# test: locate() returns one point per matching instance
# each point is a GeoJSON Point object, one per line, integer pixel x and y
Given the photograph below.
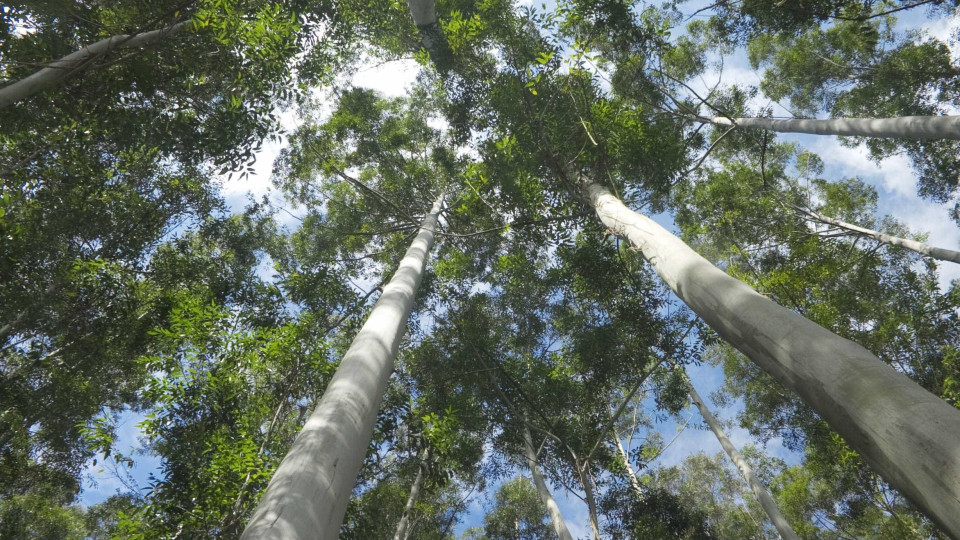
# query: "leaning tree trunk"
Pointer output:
{"type": "Point", "coordinates": [308, 494]}
{"type": "Point", "coordinates": [903, 127]}
{"type": "Point", "coordinates": [588, 494]}
{"type": "Point", "coordinates": [403, 528]}
{"type": "Point", "coordinates": [634, 483]}
{"type": "Point", "coordinates": [58, 70]}
{"type": "Point", "coordinates": [934, 252]}
{"type": "Point", "coordinates": [907, 435]}
{"type": "Point", "coordinates": [556, 519]}
{"type": "Point", "coordinates": [759, 490]}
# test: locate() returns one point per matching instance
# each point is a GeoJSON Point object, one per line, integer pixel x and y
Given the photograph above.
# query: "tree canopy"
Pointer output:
{"type": "Point", "coordinates": [540, 383]}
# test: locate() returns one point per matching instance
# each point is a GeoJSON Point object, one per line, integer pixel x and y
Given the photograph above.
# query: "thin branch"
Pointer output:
{"type": "Point", "coordinates": [623, 406]}
{"type": "Point", "coordinates": [888, 12]}
{"type": "Point", "coordinates": [707, 153]}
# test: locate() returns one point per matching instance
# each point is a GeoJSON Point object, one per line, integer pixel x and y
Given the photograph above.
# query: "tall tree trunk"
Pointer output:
{"type": "Point", "coordinates": [58, 70]}
{"type": "Point", "coordinates": [588, 494]}
{"type": "Point", "coordinates": [634, 483]}
{"type": "Point", "coordinates": [308, 494]}
{"type": "Point", "coordinates": [556, 519]}
{"type": "Point", "coordinates": [759, 490]}
{"type": "Point", "coordinates": [403, 527]}
{"type": "Point", "coordinates": [424, 12]}
{"type": "Point", "coordinates": [906, 434]}
{"type": "Point", "coordinates": [942, 254]}
{"type": "Point", "coordinates": [904, 127]}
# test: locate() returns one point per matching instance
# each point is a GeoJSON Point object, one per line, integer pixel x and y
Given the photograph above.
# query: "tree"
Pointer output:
{"type": "Point", "coordinates": [61, 69]}
{"type": "Point", "coordinates": [103, 169]}
{"type": "Point", "coordinates": [907, 127]}
{"type": "Point", "coordinates": [536, 324]}
{"type": "Point", "coordinates": [707, 487]}
{"type": "Point", "coordinates": [719, 303]}
{"type": "Point", "coordinates": [780, 341]}
{"type": "Point", "coordinates": [729, 307]}
{"type": "Point", "coordinates": [556, 519]}
{"type": "Point", "coordinates": [759, 490]}
{"type": "Point", "coordinates": [924, 249]}
{"type": "Point", "coordinates": [850, 61]}
{"type": "Point", "coordinates": [342, 421]}
{"type": "Point", "coordinates": [518, 513]}
{"type": "Point", "coordinates": [403, 527]}
{"type": "Point", "coordinates": [838, 281]}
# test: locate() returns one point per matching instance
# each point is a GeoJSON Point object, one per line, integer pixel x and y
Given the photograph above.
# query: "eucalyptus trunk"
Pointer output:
{"type": "Point", "coordinates": [424, 12]}
{"type": "Point", "coordinates": [906, 434]}
{"type": "Point", "coordinates": [307, 496]}
{"type": "Point", "coordinates": [634, 483]}
{"type": "Point", "coordinates": [588, 494]}
{"type": "Point", "coordinates": [903, 127]}
{"type": "Point", "coordinates": [556, 519]}
{"type": "Point", "coordinates": [61, 69]}
{"type": "Point", "coordinates": [933, 252]}
{"type": "Point", "coordinates": [403, 528]}
{"type": "Point", "coordinates": [759, 490]}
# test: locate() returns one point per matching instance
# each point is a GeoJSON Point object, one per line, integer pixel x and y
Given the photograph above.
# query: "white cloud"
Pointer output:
{"type": "Point", "coordinates": [894, 174]}
{"type": "Point", "coordinates": [896, 184]}
{"type": "Point", "coordinates": [258, 182]}
{"type": "Point", "coordinates": [392, 78]}
{"type": "Point", "coordinates": [943, 29]}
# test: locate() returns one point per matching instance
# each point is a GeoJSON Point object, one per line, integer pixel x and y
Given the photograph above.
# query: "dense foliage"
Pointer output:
{"type": "Point", "coordinates": [134, 295]}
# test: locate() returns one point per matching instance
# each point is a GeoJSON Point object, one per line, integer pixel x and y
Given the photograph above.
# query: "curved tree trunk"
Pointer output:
{"type": "Point", "coordinates": [556, 519]}
{"type": "Point", "coordinates": [934, 252]}
{"type": "Point", "coordinates": [308, 494]}
{"type": "Point", "coordinates": [903, 127]}
{"type": "Point", "coordinates": [58, 70]}
{"type": "Point", "coordinates": [403, 528]}
{"type": "Point", "coordinates": [906, 434]}
{"type": "Point", "coordinates": [759, 490]}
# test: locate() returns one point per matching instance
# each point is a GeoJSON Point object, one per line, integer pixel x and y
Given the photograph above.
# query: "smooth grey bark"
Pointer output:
{"type": "Point", "coordinates": [403, 528]}
{"type": "Point", "coordinates": [583, 466]}
{"type": "Point", "coordinates": [903, 127]}
{"type": "Point", "coordinates": [626, 460]}
{"type": "Point", "coordinates": [759, 490]}
{"type": "Point", "coordinates": [58, 70]}
{"type": "Point", "coordinates": [587, 480]}
{"type": "Point", "coordinates": [308, 494]}
{"type": "Point", "coordinates": [556, 518]}
{"type": "Point", "coordinates": [424, 12]}
{"type": "Point", "coordinates": [933, 252]}
{"type": "Point", "coordinates": [906, 434]}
